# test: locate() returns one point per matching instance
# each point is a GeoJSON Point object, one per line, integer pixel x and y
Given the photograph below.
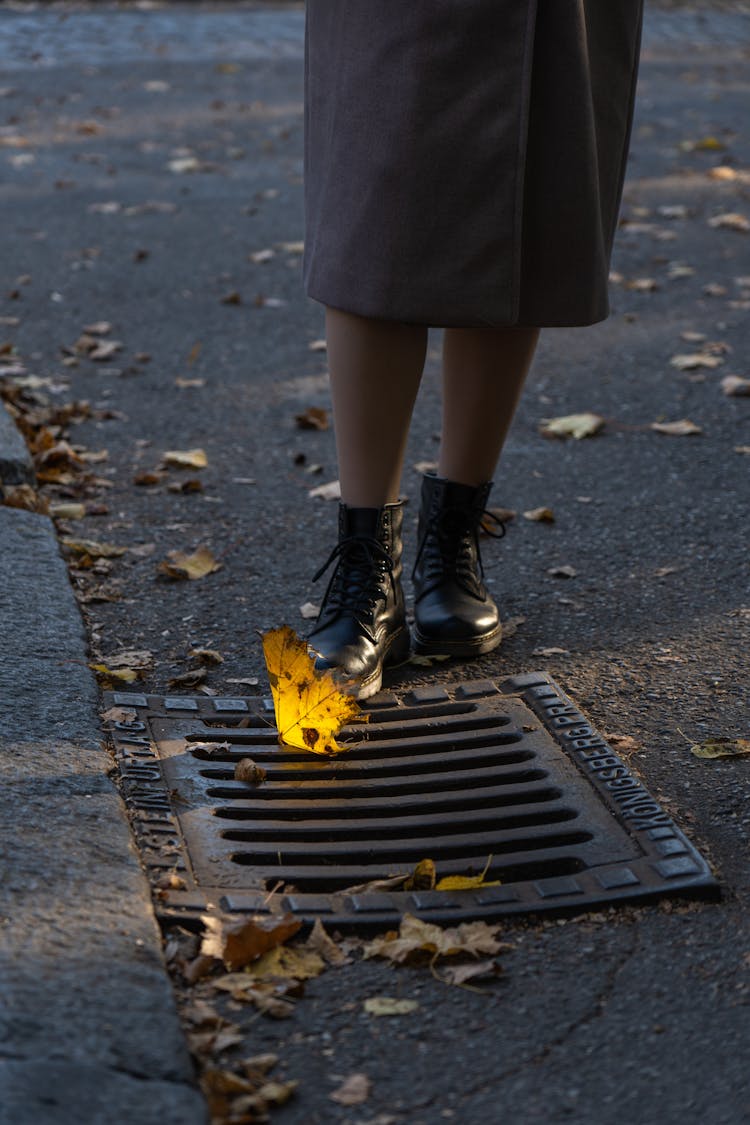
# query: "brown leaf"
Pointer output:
{"type": "Point", "coordinates": [178, 565]}
{"type": "Point", "coordinates": [314, 418]}
{"type": "Point", "coordinates": [25, 497]}
{"type": "Point", "coordinates": [104, 350]}
{"type": "Point", "coordinates": [735, 385]}
{"type": "Point", "coordinates": [353, 1091]}
{"type": "Point", "coordinates": [540, 515]}
{"type": "Point", "coordinates": [239, 943]}
{"type": "Point", "coordinates": [416, 940]}
{"type": "Point", "coordinates": [186, 486]}
{"type": "Point", "coordinates": [185, 458]}
{"type": "Point", "coordinates": [552, 651]}
{"type": "Point", "coordinates": [731, 220]}
{"type": "Point", "coordinates": [322, 943]}
{"type": "Point", "coordinates": [148, 477]}
{"type": "Point", "coordinates": [459, 974]}
{"type": "Point", "coordinates": [93, 548]}
{"type": "Point", "coordinates": [188, 679]}
{"type": "Point", "coordinates": [692, 360]}
{"type": "Point", "coordinates": [206, 655]}
{"type": "Point", "coordinates": [248, 771]}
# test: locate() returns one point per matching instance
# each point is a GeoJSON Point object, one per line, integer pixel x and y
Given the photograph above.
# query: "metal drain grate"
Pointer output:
{"type": "Point", "coordinates": [454, 773]}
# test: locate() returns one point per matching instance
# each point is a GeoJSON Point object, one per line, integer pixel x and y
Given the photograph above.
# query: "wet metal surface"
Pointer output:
{"type": "Point", "coordinates": [458, 774]}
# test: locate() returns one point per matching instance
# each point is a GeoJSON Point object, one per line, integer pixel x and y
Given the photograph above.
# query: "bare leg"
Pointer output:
{"type": "Point", "coordinates": [483, 374]}
{"type": "Point", "coordinates": [375, 369]}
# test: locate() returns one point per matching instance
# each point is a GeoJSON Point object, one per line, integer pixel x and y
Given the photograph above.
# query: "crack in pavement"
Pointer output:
{"type": "Point", "coordinates": [595, 1010]}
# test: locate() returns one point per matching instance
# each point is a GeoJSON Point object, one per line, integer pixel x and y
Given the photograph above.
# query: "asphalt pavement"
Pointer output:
{"type": "Point", "coordinates": [152, 179]}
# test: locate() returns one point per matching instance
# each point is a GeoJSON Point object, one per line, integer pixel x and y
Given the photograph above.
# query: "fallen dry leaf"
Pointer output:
{"type": "Point", "coordinates": [148, 477]}
{"type": "Point", "coordinates": [642, 284]}
{"type": "Point", "coordinates": [185, 458]}
{"type": "Point", "coordinates": [704, 144]}
{"type": "Point", "coordinates": [117, 675]}
{"type": "Point", "coordinates": [422, 877]}
{"type": "Point", "coordinates": [25, 497]}
{"type": "Point", "coordinates": [735, 385]}
{"type": "Point", "coordinates": [692, 360]}
{"type": "Point", "coordinates": [206, 655]}
{"type": "Point", "coordinates": [460, 974]}
{"type": "Point", "coordinates": [178, 565]}
{"type": "Point", "coordinates": [742, 448]}
{"type": "Point", "coordinates": [572, 425]}
{"type": "Point", "coordinates": [272, 998]}
{"type": "Point", "coordinates": [186, 486]}
{"type": "Point", "coordinates": [540, 515]}
{"type": "Point", "coordinates": [119, 715]}
{"type": "Point", "coordinates": [562, 571]}
{"type": "Point", "coordinates": [353, 1091]}
{"type": "Point", "coordinates": [389, 1006]}
{"type": "Point", "coordinates": [731, 220]}
{"type": "Point", "coordinates": [682, 428]}
{"type": "Point", "coordinates": [132, 658]}
{"type": "Point", "coordinates": [250, 772]}
{"type": "Point", "coordinates": [68, 511]}
{"type": "Point", "coordinates": [189, 679]}
{"type": "Point", "coordinates": [322, 943]}
{"type": "Point", "coordinates": [239, 943]}
{"type": "Point", "coordinates": [93, 548]}
{"type": "Point", "coordinates": [721, 748]}
{"type": "Point", "coordinates": [329, 491]}
{"type": "Point", "coordinates": [314, 418]}
{"type": "Point", "coordinates": [550, 651]}
{"type": "Point", "coordinates": [416, 939]}
{"type": "Point", "coordinates": [310, 708]}
{"type": "Point", "coordinates": [288, 962]}
{"type": "Point", "coordinates": [623, 744]}
{"type": "Point", "coordinates": [467, 882]}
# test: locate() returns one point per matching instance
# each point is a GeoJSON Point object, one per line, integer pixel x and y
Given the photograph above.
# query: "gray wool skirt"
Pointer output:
{"type": "Point", "coordinates": [464, 159]}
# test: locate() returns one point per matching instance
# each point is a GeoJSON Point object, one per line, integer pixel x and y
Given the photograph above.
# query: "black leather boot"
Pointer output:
{"type": "Point", "coordinates": [362, 622]}
{"type": "Point", "coordinates": [453, 612]}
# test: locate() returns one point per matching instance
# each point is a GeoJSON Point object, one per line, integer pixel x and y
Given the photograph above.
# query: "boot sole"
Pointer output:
{"type": "Point", "coordinates": [478, 646]}
{"type": "Point", "coordinates": [397, 653]}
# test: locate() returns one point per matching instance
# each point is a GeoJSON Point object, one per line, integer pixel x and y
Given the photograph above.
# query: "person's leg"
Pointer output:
{"type": "Point", "coordinates": [484, 370]}
{"type": "Point", "coordinates": [483, 375]}
{"type": "Point", "coordinates": [375, 369]}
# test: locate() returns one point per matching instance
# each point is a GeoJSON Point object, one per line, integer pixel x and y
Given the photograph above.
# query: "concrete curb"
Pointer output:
{"type": "Point", "coordinates": [15, 461]}
{"type": "Point", "coordinates": [88, 1026]}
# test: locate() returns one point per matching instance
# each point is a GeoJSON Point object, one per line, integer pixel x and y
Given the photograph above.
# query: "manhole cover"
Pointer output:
{"type": "Point", "coordinates": [457, 773]}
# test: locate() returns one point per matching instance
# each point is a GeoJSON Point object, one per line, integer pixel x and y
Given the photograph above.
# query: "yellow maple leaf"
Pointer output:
{"type": "Point", "coordinates": [310, 707]}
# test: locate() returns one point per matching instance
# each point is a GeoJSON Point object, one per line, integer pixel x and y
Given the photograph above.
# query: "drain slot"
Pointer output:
{"type": "Point", "coordinates": [311, 830]}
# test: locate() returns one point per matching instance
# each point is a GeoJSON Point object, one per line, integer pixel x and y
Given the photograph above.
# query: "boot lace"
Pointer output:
{"type": "Point", "coordinates": [449, 549]}
{"type": "Point", "coordinates": [358, 582]}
